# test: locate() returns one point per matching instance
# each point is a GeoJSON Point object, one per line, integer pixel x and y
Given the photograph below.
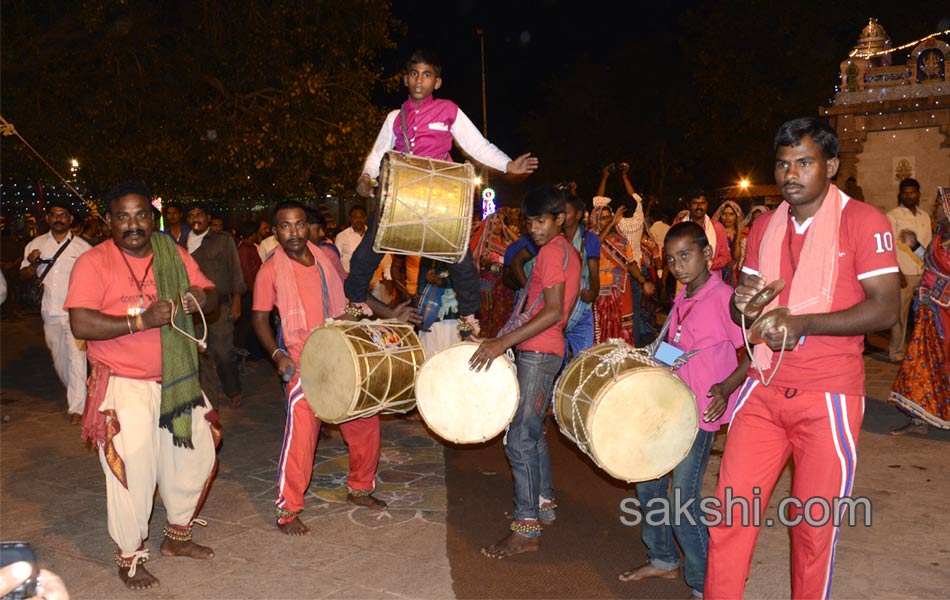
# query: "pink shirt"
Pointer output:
{"type": "Point", "coordinates": [704, 324]}
{"type": "Point", "coordinates": [549, 271]}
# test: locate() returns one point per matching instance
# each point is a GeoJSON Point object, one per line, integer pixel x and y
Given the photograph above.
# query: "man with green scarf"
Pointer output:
{"type": "Point", "coordinates": [132, 298]}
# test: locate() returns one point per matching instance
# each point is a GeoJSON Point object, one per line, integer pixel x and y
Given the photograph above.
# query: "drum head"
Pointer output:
{"type": "Point", "coordinates": [463, 406]}
{"type": "Point", "coordinates": [643, 424]}
{"type": "Point", "coordinates": [328, 374]}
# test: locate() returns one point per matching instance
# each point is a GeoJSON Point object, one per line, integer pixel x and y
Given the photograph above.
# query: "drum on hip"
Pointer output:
{"type": "Point", "coordinates": [350, 370]}
{"type": "Point", "coordinates": [627, 412]}
{"type": "Point", "coordinates": [464, 406]}
{"type": "Point", "coordinates": [425, 207]}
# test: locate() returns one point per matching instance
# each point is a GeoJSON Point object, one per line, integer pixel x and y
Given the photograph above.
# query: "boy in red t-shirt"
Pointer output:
{"type": "Point", "coordinates": [539, 340]}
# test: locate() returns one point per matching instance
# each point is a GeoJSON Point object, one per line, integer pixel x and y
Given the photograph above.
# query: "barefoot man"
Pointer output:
{"type": "Point", "coordinates": [145, 411]}
{"type": "Point", "coordinates": [301, 281]}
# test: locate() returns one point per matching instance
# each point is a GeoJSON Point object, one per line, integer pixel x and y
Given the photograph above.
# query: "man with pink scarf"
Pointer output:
{"type": "Point", "coordinates": [303, 283]}
{"type": "Point", "coordinates": [804, 396]}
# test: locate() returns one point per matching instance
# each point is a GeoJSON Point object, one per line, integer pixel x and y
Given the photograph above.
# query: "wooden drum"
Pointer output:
{"type": "Point", "coordinates": [463, 406]}
{"type": "Point", "coordinates": [631, 415]}
{"type": "Point", "coordinates": [425, 207]}
{"type": "Point", "coordinates": [354, 369]}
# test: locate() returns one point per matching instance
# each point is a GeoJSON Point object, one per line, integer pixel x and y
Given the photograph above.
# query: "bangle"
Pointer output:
{"type": "Point", "coordinates": [139, 323]}
{"type": "Point", "coordinates": [128, 321]}
{"type": "Point", "coordinates": [276, 350]}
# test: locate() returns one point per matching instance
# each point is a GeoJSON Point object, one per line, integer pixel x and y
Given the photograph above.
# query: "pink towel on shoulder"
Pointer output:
{"type": "Point", "coordinates": [292, 316]}
{"type": "Point", "coordinates": [812, 287]}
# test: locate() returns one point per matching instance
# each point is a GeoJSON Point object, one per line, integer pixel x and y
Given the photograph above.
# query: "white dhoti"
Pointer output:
{"type": "Point", "coordinates": [440, 336]}
{"type": "Point", "coordinates": [68, 360]}
{"type": "Point", "coordinates": [151, 458]}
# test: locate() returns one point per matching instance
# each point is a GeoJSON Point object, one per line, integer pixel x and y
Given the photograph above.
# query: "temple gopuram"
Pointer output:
{"type": "Point", "coordinates": [893, 118]}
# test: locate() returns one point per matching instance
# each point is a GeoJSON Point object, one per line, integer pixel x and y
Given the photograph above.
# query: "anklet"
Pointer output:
{"type": "Point", "coordinates": [526, 526]}
{"type": "Point", "coordinates": [547, 505]}
{"type": "Point", "coordinates": [177, 533]}
{"type": "Point", "coordinates": [285, 516]}
{"type": "Point", "coordinates": [138, 557]}
{"type": "Point", "coordinates": [359, 493]}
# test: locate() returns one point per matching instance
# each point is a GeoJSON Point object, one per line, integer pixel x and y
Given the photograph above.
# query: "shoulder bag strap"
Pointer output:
{"type": "Point", "coordinates": [405, 128]}
{"type": "Point", "coordinates": [52, 261]}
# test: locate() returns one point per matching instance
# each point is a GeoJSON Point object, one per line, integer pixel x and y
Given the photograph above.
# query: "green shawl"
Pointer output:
{"type": "Point", "coordinates": [181, 391]}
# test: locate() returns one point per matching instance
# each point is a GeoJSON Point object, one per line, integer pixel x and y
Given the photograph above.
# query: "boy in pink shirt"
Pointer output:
{"type": "Point", "coordinates": [700, 320]}
{"type": "Point", "coordinates": [537, 334]}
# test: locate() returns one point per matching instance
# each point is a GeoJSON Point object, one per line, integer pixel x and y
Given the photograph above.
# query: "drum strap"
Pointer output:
{"type": "Point", "coordinates": [405, 129]}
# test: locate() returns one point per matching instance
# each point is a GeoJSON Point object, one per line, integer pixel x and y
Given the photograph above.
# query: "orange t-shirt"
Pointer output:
{"type": "Point", "coordinates": [557, 262]}
{"type": "Point", "coordinates": [101, 281]}
{"type": "Point", "coordinates": [309, 289]}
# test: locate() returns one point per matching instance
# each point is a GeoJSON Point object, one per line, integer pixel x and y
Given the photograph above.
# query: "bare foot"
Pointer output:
{"type": "Point", "coordinates": [236, 400]}
{"type": "Point", "coordinates": [188, 549]}
{"type": "Point", "coordinates": [366, 501]}
{"type": "Point", "coordinates": [912, 427]}
{"type": "Point", "coordinates": [648, 571]}
{"type": "Point", "coordinates": [142, 580]}
{"type": "Point", "coordinates": [512, 544]}
{"type": "Point", "coordinates": [294, 527]}
{"type": "Point", "coordinates": [75, 419]}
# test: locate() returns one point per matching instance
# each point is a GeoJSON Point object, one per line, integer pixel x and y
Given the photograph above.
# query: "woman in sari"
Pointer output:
{"type": "Point", "coordinates": [616, 258]}
{"type": "Point", "coordinates": [489, 243]}
{"type": "Point", "coordinates": [922, 387]}
{"type": "Point", "coordinates": [729, 214]}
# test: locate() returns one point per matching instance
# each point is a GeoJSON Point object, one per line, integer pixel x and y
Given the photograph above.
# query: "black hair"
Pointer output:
{"type": "Point", "coordinates": [792, 132]}
{"type": "Point", "coordinates": [693, 193]}
{"type": "Point", "coordinates": [172, 204]}
{"type": "Point", "coordinates": [908, 182]}
{"type": "Point", "coordinates": [200, 206]}
{"type": "Point", "coordinates": [358, 207]}
{"type": "Point", "coordinates": [125, 188]}
{"type": "Point", "coordinates": [850, 179]}
{"type": "Point", "coordinates": [247, 228]}
{"type": "Point", "coordinates": [425, 56]}
{"type": "Point", "coordinates": [60, 203]}
{"type": "Point", "coordinates": [286, 205]}
{"type": "Point", "coordinates": [315, 217]}
{"type": "Point", "coordinates": [687, 230]}
{"type": "Point", "coordinates": [576, 202]}
{"type": "Point", "coordinates": [544, 201]}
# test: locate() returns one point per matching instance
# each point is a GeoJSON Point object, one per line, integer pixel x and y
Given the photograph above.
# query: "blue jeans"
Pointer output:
{"type": "Point", "coordinates": [691, 534]}
{"type": "Point", "coordinates": [525, 446]}
{"type": "Point", "coordinates": [580, 336]}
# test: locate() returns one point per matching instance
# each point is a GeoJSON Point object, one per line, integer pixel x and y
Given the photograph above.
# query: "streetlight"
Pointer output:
{"type": "Point", "coordinates": [744, 183]}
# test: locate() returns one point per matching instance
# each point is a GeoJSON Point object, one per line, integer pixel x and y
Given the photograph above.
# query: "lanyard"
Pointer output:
{"type": "Point", "coordinates": [679, 322]}
{"type": "Point", "coordinates": [139, 284]}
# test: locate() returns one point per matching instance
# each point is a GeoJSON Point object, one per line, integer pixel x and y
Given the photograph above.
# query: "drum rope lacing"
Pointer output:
{"type": "Point", "coordinates": [609, 364]}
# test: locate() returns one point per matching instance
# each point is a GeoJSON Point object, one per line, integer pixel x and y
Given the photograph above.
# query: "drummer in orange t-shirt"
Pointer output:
{"type": "Point", "coordinates": [302, 282]}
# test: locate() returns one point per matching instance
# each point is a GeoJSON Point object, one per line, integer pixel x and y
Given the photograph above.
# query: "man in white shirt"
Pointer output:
{"type": "Point", "coordinates": [348, 239]}
{"type": "Point", "coordinates": [907, 216]}
{"type": "Point", "coordinates": [68, 360]}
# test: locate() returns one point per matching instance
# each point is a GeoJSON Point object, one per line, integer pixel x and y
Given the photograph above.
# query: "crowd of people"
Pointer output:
{"type": "Point", "coordinates": [165, 317]}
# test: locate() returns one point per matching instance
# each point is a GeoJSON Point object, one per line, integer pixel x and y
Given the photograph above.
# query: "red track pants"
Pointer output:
{"type": "Point", "coordinates": [300, 442]}
{"type": "Point", "coordinates": [820, 431]}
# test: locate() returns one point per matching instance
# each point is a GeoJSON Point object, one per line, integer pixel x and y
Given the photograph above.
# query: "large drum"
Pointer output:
{"type": "Point", "coordinates": [630, 414]}
{"type": "Point", "coordinates": [463, 406]}
{"type": "Point", "coordinates": [354, 369]}
{"type": "Point", "coordinates": [425, 207]}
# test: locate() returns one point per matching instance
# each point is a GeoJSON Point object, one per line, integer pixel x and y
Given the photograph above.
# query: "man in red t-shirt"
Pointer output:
{"type": "Point", "coordinates": [301, 281]}
{"type": "Point", "coordinates": [538, 337]}
{"type": "Point", "coordinates": [145, 412]}
{"type": "Point", "coordinates": [837, 256]}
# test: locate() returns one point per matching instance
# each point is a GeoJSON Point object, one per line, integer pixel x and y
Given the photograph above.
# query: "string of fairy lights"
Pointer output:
{"type": "Point", "coordinates": [864, 53]}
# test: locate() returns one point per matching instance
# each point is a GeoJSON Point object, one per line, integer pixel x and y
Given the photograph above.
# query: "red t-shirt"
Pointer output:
{"type": "Point", "coordinates": [101, 281]}
{"type": "Point", "coordinates": [865, 250]}
{"type": "Point", "coordinates": [549, 270]}
{"type": "Point", "coordinates": [309, 288]}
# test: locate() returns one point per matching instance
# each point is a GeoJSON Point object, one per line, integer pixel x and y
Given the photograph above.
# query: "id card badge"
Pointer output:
{"type": "Point", "coordinates": [667, 354]}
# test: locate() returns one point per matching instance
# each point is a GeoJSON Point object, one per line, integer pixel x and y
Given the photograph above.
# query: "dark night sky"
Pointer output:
{"type": "Point", "coordinates": [529, 44]}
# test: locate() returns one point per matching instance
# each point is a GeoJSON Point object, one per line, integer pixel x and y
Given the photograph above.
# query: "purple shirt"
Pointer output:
{"type": "Point", "coordinates": [704, 324]}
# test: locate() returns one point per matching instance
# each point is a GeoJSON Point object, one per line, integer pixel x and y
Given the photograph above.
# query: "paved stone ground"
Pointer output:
{"type": "Point", "coordinates": [51, 494]}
